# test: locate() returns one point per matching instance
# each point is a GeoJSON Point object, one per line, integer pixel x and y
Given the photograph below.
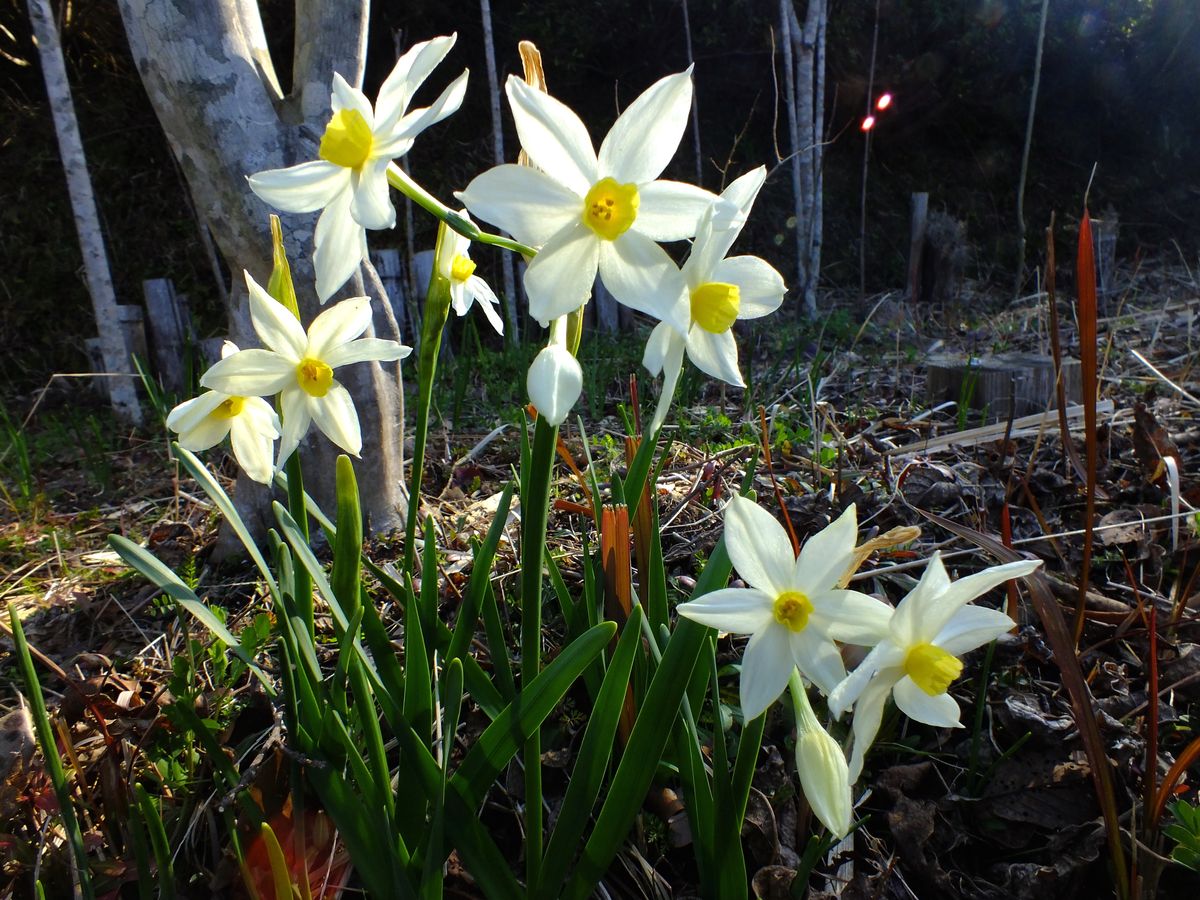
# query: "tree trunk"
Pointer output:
{"type": "Point", "coordinates": [804, 55]}
{"type": "Point", "coordinates": [209, 76]}
{"type": "Point", "coordinates": [113, 349]}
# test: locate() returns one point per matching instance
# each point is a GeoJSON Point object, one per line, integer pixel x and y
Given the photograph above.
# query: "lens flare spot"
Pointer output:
{"type": "Point", "coordinates": [884, 101]}
{"type": "Point", "coordinates": [868, 123]}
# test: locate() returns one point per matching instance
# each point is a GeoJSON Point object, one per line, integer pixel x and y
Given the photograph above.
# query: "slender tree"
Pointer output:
{"type": "Point", "coordinates": [1033, 95]}
{"type": "Point", "coordinates": [209, 75]}
{"type": "Point", "coordinates": [113, 349]}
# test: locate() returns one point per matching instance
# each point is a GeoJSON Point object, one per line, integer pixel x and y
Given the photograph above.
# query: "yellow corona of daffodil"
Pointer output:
{"type": "Point", "coordinates": [456, 266]}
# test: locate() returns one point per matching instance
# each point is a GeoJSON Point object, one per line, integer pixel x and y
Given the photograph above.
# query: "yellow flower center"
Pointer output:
{"type": "Point", "coordinates": [230, 408]}
{"type": "Point", "coordinates": [461, 268]}
{"type": "Point", "coordinates": [347, 140]}
{"type": "Point", "coordinates": [610, 208]}
{"type": "Point", "coordinates": [792, 609]}
{"type": "Point", "coordinates": [932, 668]}
{"type": "Point", "coordinates": [715, 306]}
{"type": "Point", "coordinates": [315, 376]}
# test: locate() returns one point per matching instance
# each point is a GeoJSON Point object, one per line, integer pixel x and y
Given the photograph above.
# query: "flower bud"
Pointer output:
{"type": "Point", "coordinates": [555, 379]}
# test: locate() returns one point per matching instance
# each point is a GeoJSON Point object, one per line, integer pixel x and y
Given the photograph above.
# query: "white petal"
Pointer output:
{"type": "Point", "coordinates": [303, 188]}
{"type": "Point", "coordinates": [971, 627]}
{"type": "Point", "coordinates": [250, 373]}
{"type": "Point", "coordinates": [854, 618]}
{"type": "Point", "coordinates": [647, 134]}
{"type": "Point", "coordinates": [936, 611]}
{"type": "Point", "coordinates": [761, 287]}
{"type": "Point", "coordinates": [296, 420]}
{"type": "Point", "coordinates": [372, 203]}
{"type": "Point", "coordinates": [338, 325]}
{"type": "Point", "coordinates": [274, 323]}
{"type": "Point", "coordinates": [399, 140]}
{"type": "Point", "coordinates": [487, 300]}
{"type": "Point", "coordinates": [340, 245]}
{"type": "Point", "coordinates": [715, 354]}
{"type": "Point", "coordinates": [190, 413]}
{"type": "Point", "coordinates": [554, 383]}
{"type": "Point", "coordinates": [554, 137]}
{"type": "Point", "coordinates": [208, 432]}
{"type": "Point", "coordinates": [261, 415]}
{"type": "Point", "coordinates": [525, 202]}
{"type": "Point", "coordinates": [817, 658]}
{"type": "Point", "coordinates": [882, 661]}
{"type": "Point", "coordinates": [559, 280]}
{"type": "Point", "coordinates": [406, 76]}
{"type": "Point", "coordinates": [743, 191]}
{"type": "Point", "coordinates": [758, 547]}
{"type": "Point", "coordinates": [336, 416]}
{"type": "Point", "coordinates": [671, 210]}
{"type": "Point", "coordinates": [940, 711]}
{"type": "Point", "coordinates": [365, 350]}
{"type": "Point", "coordinates": [826, 555]}
{"type": "Point", "coordinates": [252, 449]}
{"type": "Point", "coordinates": [907, 623]}
{"type": "Point", "coordinates": [766, 668]}
{"type": "Point", "coordinates": [347, 97]}
{"type": "Point", "coordinates": [640, 275]}
{"type": "Point", "coordinates": [731, 610]}
{"type": "Point", "coordinates": [712, 242]}
{"type": "Point", "coordinates": [664, 353]}
{"type": "Point", "coordinates": [868, 714]}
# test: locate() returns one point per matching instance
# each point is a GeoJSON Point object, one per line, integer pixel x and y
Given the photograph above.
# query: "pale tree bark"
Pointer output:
{"type": "Point", "coordinates": [209, 76]}
{"type": "Point", "coordinates": [114, 351]}
{"type": "Point", "coordinates": [498, 158]}
{"type": "Point", "coordinates": [804, 58]}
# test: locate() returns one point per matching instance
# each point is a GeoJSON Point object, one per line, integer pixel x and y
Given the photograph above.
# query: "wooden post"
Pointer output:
{"type": "Point", "coordinates": [122, 392]}
{"type": "Point", "coordinates": [916, 244]}
{"type": "Point", "coordinates": [608, 317]}
{"type": "Point", "coordinates": [170, 331]}
{"type": "Point", "coordinates": [388, 264]}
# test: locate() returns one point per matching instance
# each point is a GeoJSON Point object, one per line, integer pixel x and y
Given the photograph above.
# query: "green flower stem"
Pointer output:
{"type": "Point", "coordinates": [806, 719]}
{"type": "Point", "coordinates": [431, 204]}
{"type": "Point", "coordinates": [54, 766]}
{"type": "Point", "coordinates": [433, 323]}
{"type": "Point", "coordinates": [535, 503]}
{"type": "Point", "coordinates": [301, 580]}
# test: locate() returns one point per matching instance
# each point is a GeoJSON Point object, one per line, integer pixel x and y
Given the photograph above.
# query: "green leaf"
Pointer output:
{"type": "Point", "coordinates": [481, 574]}
{"type": "Point", "coordinates": [347, 546]}
{"type": "Point", "coordinates": [651, 730]}
{"type": "Point", "coordinates": [501, 740]}
{"type": "Point", "coordinates": [172, 585]}
{"type": "Point", "coordinates": [592, 762]}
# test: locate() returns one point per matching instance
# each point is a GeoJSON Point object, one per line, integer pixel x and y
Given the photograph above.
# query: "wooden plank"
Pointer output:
{"type": "Point", "coordinates": [388, 263]}
{"type": "Point", "coordinates": [169, 330]}
{"type": "Point", "coordinates": [916, 242]}
{"type": "Point", "coordinates": [1022, 427]}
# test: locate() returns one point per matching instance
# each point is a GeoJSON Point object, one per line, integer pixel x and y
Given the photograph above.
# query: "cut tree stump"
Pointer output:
{"type": "Point", "coordinates": [1005, 384]}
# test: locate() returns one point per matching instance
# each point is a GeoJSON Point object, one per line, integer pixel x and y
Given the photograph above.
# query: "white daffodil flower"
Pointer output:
{"type": "Point", "coordinates": [821, 765]}
{"type": "Point", "coordinates": [792, 609]}
{"type": "Point", "coordinates": [349, 180]}
{"type": "Point", "coordinates": [587, 212]}
{"type": "Point", "coordinates": [299, 367]}
{"type": "Point", "coordinates": [252, 425]}
{"type": "Point", "coordinates": [555, 379]}
{"type": "Point", "coordinates": [720, 292]}
{"type": "Point", "coordinates": [457, 267]}
{"type": "Point", "coordinates": [917, 659]}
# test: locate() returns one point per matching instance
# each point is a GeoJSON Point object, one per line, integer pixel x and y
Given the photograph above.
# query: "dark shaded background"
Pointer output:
{"type": "Point", "coordinates": [1118, 89]}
